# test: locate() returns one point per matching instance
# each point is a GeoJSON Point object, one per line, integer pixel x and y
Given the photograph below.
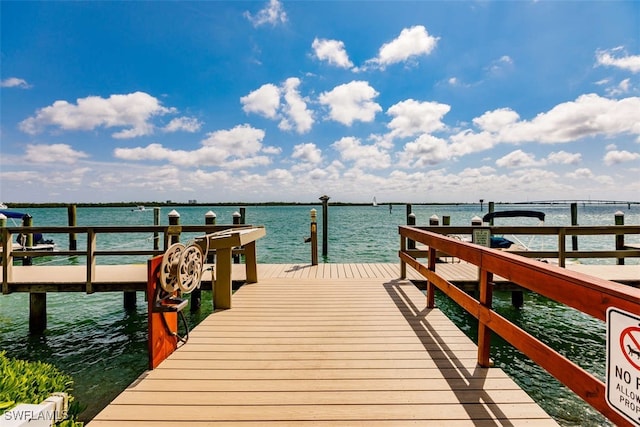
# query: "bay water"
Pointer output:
{"type": "Point", "coordinates": [104, 347]}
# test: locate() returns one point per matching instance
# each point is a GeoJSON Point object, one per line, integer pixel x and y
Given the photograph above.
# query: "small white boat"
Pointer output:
{"type": "Point", "coordinates": [375, 202]}
{"type": "Point", "coordinates": [139, 209]}
{"type": "Point", "coordinates": [39, 242]}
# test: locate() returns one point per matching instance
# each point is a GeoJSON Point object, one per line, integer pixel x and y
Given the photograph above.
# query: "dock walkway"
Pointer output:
{"type": "Point", "coordinates": [325, 352]}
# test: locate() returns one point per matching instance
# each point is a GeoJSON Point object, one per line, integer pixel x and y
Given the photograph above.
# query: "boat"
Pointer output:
{"type": "Point", "coordinates": [39, 242]}
{"type": "Point", "coordinates": [139, 208]}
{"type": "Point", "coordinates": [375, 202]}
{"type": "Point", "coordinates": [3, 206]}
{"type": "Point", "coordinates": [501, 242]}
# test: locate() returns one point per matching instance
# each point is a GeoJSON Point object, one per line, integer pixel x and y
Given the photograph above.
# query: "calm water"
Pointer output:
{"type": "Point", "coordinates": [103, 346]}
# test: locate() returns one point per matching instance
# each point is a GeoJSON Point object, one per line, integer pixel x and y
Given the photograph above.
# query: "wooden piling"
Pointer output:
{"type": "Point", "coordinates": [156, 235]}
{"type": "Point", "coordinates": [237, 220]}
{"type": "Point", "coordinates": [37, 312]}
{"type": "Point", "coordinates": [574, 221]}
{"type": "Point", "coordinates": [27, 239]}
{"type": "Point", "coordinates": [314, 237]}
{"type": "Point", "coordinates": [619, 220]}
{"type": "Point", "coordinates": [72, 221]}
{"type": "Point", "coordinates": [325, 224]}
{"type": "Point", "coordinates": [492, 207]}
{"type": "Point", "coordinates": [411, 220]}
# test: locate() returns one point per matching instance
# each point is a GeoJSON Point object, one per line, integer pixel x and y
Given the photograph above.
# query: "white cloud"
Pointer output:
{"type": "Point", "coordinates": [298, 117]}
{"type": "Point", "coordinates": [616, 157]}
{"type": "Point", "coordinates": [363, 156]}
{"type": "Point", "coordinates": [308, 153]}
{"type": "Point", "coordinates": [518, 159]}
{"type": "Point", "coordinates": [588, 116]}
{"type": "Point", "coordinates": [273, 13]}
{"type": "Point", "coordinates": [187, 124]}
{"type": "Point", "coordinates": [240, 147]}
{"type": "Point", "coordinates": [564, 158]}
{"type": "Point", "coordinates": [54, 153]}
{"type": "Point", "coordinates": [623, 87]}
{"type": "Point", "coordinates": [350, 102]}
{"type": "Point", "coordinates": [412, 117]}
{"type": "Point", "coordinates": [264, 101]}
{"type": "Point", "coordinates": [15, 82]}
{"type": "Point", "coordinates": [496, 120]}
{"type": "Point", "coordinates": [581, 173]}
{"type": "Point", "coordinates": [626, 62]}
{"type": "Point", "coordinates": [426, 150]}
{"type": "Point", "coordinates": [131, 111]}
{"type": "Point", "coordinates": [411, 42]}
{"type": "Point", "coordinates": [332, 51]}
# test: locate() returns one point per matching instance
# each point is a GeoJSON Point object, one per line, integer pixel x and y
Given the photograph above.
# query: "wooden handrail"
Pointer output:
{"type": "Point", "coordinates": [91, 252]}
{"type": "Point", "coordinates": [588, 294]}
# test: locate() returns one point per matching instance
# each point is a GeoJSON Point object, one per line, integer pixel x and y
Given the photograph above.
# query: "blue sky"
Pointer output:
{"type": "Point", "coordinates": [224, 101]}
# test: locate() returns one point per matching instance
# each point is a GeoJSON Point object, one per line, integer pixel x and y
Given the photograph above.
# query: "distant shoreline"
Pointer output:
{"type": "Point", "coordinates": [150, 204]}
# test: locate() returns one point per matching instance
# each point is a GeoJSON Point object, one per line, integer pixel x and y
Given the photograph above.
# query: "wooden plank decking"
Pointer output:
{"type": "Point", "coordinates": [311, 351]}
{"type": "Point", "coordinates": [134, 277]}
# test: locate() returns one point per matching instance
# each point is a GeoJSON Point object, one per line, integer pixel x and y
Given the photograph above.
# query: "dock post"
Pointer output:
{"type": "Point", "coordinates": [411, 220]}
{"type": "Point", "coordinates": [434, 220]}
{"type": "Point", "coordinates": [174, 220]}
{"type": "Point", "coordinates": [314, 237]}
{"type": "Point", "coordinates": [37, 312]}
{"type": "Point", "coordinates": [325, 224]}
{"type": "Point", "coordinates": [243, 216]}
{"type": "Point", "coordinates": [27, 239]}
{"type": "Point", "coordinates": [492, 208]}
{"type": "Point", "coordinates": [237, 220]}
{"type": "Point", "coordinates": [574, 221]}
{"type": "Point", "coordinates": [619, 220]}
{"type": "Point", "coordinates": [129, 297]}
{"type": "Point", "coordinates": [446, 220]}
{"type": "Point", "coordinates": [156, 221]}
{"type": "Point", "coordinates": [72, 220]}
{"type": "Point", "coordinates": [210, 218]}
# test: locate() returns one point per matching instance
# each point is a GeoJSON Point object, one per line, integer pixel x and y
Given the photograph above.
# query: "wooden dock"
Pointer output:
{"type": "Point", "coordinates": [134, 277]}
{"type": "Point", "coordinates": [324, 351]}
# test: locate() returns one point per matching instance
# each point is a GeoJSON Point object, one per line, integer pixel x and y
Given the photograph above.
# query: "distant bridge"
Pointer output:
{"type": "Point", "coordinates": [585, 201]}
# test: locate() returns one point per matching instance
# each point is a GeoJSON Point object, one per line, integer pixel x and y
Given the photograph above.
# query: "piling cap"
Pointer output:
{"type": "Point", "coordinates": [210, 214]}
{"type": "Point", "coordinates": [412, 215]}
{"type": "Point", "coordinates": [173, 214]}
{"type": "Point", "coordinates": [476, 220]}
{"type": "Point", "coordinates": [619, 213]}
{"type": "Point", "coordinates": [434, 216]}
{"type": "Point", "coordinates": [236, 214]}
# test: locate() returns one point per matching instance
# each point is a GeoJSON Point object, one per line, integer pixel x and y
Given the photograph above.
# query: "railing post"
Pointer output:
{"type": "Point", "coordinates": [431, 288]}
{"type": "Point", "coordinates": [619, 220]}
{"type": "Point", "coordinates": [411, 220]}
{"type": "Point", "coordinates": [484, 333]}
{"type": "Point", "coordinates": [314, 236]}
{"type": "Point", "coordinates": [403, 265]}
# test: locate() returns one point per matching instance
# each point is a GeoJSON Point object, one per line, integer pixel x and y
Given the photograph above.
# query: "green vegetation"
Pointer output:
{"type": "Point", "coordinates": [22, 381]}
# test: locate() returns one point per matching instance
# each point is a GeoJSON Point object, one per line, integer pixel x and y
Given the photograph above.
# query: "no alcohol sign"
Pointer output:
{"type": "Point", "coordinates": [623, 363]}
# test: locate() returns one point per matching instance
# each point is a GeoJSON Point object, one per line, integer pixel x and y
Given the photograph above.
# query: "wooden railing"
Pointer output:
{"type": "Point", "coordinates": [585, 293]}
{"type": "Point", "coordinates": [561, 252]}
{"type": "Point", "coordinates": [156, 233]}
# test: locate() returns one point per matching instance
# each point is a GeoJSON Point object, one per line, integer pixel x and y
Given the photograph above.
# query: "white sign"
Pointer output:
{"type": "Point", "coordinates": [623, 363]}
{"type": "Point", "coordinates": [482, 237]}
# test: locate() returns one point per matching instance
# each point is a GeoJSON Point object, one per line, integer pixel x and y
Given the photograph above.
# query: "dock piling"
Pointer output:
{"type": "Point", "coordinates": [325, 224]}
{"type": "Point", "coordinates": [619, 220]}
{"type": "Point", "coordinates": [574, 221]}
{"type": "Point", "coordinates": [37, 312]}
{"type": "Point", "coordinates": [72, 220]}
{"type": "Point", "coordinates": [314, 237]}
